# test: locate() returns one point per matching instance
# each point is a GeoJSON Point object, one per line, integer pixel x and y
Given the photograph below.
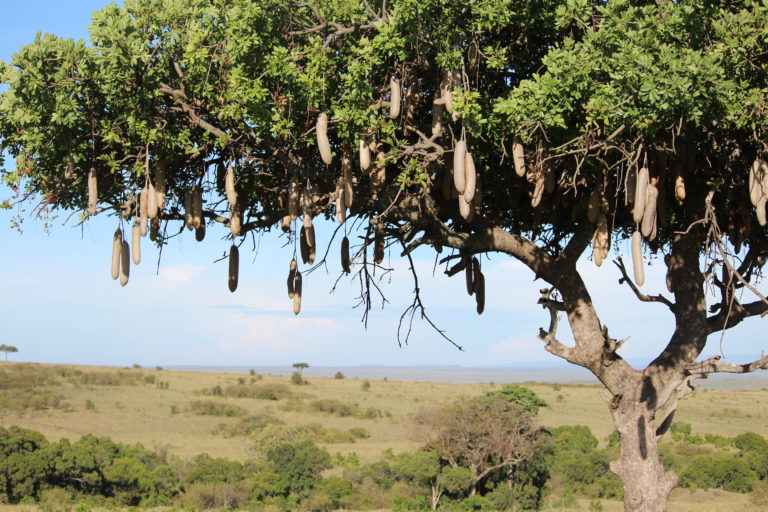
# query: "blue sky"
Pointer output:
{"type": "Point", "coordinates": [59, 304]}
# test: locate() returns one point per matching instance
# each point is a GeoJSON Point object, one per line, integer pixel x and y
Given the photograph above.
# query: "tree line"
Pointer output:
{"type": "Point", "coordinates": [484, 453]}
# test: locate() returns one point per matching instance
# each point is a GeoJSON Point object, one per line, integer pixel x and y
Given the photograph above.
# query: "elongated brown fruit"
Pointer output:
{"type": "Point", "coordinates": [649, 214]}
{"type": "Point", "coordinates": [601, 240]}
{"type": "Point", "coordinates": [470, 177]}
{"type": "Point", "coordinates": [293, 199]}
{"type": "Point", "coordinates": [188, 220]}
{"type": "Point", "coordinates": [518, 156]}
{"type": "Point", "coordinates": [297, 286]}
{"type": "Point", "coordinates": [303, 245]}
{"type": "Point", "coordinates": [235, 220]}
{"type": "Point", "coordinates": [341, 207]}
{"type": "Point", "coordinates": [378, 243]}
{"type": "Point", "coordinates": [538, 190]}
{"type": "Point", "coordinates": [143, 208]}
{"type": "Point", "coordinates": [234, 267]}
{"type": "Point", "coordinates": [346, 173]}
{"type": "Point", "coordinates": [229, 185]}
{"type": "Point", "coordinates": [469, 275]}
{"type": "Point", "coordinates": [680, 189]}
{"type": "Point", "coordinates": [395, 92]}
{"type": "Point", "coordinates": [154, 229]}
{"type": "Point", "coordinates": [160, 183]}
{"type": "Point", "coordinates": [365, 154]}
{"type": "Point", "coordinates": [630, 187]}
{"type": "Point", "coordinates": [760, 211]}
{"type": "Point", "coordinates": [117, 245]}
{"type": "Point", "coordinates": [136, 241]}
{"type": "Point", "coordinates": [641, 192]}
{"type": "Point", "coordinates": [310, 233]}
{"type": "Point", "coordinates": [291, 278]}
{"type": "Point", "coordinates": [437, 120]}
{"type": "Point", "coordinates": [480, 293]}
{"type": "Point", "coordinates": [311, 255]}
{"type": "Point", "coordinates": [197, 206]}
{"type": "Point", "coordinates": [125, 263]}
{"type": "Point", "coordinates": [459, 153]}
{"type": "Point", "coordinates": [465, 208]}
{"type": "Point", "coordinates": [93, 191]}
{"type": "Point", "coordinates": [637, 258]}
{"type": "Point", "coordinates": [593, 206]}
{"type": "Point", "coordinates": [285, 224]}
{"type": "Point", "coordinates": [323, 144]}
{"type": "Point", "coordinates": [200, 232]}
{"type": "Point", "coordinates": [151, 201]}
{"type": "Point", "coordinates": [345, 262]}
{"type": "Point", "coordinates": [307, 221]}
{"type": "Point", "coordinates": [475, 272]}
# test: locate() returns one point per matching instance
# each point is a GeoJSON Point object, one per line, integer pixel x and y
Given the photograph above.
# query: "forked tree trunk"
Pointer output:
{"type": "Point", "coordinates": [647, 484]}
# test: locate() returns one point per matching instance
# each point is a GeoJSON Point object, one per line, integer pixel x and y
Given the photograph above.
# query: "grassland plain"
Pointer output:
{"type": "Point", "coordinates": [154, 407]}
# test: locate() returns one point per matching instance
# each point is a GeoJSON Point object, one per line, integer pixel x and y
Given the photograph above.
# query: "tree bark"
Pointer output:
{"type": "Point", "coordinates": [646, 483]}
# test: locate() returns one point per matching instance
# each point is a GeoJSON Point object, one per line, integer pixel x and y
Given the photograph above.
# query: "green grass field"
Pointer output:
{"type": "Point", "coordinates": [136, 408]}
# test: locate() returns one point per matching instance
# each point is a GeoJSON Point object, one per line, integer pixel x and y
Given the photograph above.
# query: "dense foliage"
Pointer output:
{"type": "Point", "coordinates": [532, 128]}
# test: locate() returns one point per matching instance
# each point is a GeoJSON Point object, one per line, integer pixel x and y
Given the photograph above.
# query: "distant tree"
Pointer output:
{"type": "Point", "coordinates": [520, 397]}
{"type": "Point", "coordinates": [300, 366]}
{"type": "Point", "coordinates": [338, 375]}
{"type": "Point", "coordinates": [483, 435]}
{"type": "Point", "coordinates": [7, 349]}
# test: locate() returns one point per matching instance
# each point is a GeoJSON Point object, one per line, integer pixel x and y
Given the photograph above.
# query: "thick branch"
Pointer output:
{"type": "Point", "coordinates": [715, 365]}
{"type": "Point", "coordinates": [722, 320]}
{"type": "Point", "coordinates": [552, 345]}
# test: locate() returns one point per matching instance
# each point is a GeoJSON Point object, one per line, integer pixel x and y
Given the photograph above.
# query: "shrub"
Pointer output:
{"type": "Point", "coordinates": [246, 425]}
{"type": "Point", "coordinates": [211, 408]}
{"type": "Point", "coordinates": [210, 495]}
{"type": "Point", "coordinates": [338, 375]}
{"type": "Point", "coordinates": [298, 380]}
{"type": "Point", "coordinates": [366, 386]}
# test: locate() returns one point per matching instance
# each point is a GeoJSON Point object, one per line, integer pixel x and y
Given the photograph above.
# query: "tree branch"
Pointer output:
{"type": "Point", "coordinates": [552, 345]}
{"type": "Point", "coordinates": [640, 295]}
{"type": "Point", "coordinates": [715, 365]}
{"type": "Point", "coordinates": [178, 98]}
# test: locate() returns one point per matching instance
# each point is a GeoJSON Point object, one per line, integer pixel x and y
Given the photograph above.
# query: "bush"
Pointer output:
{"type": "Point", "coordinates": [209, 495]}
{"type": "Point", "coordinates": [211, 408]}
{"type": "Point", "coordinates": [333, 407]}
{"type": "Point", "coordinates": [298, 380]}
{"type": "Point", "coordinates": [338, 375]}
{"type": "Point", "coordinates": [366, 386]}
{"type": "Point", "coordinates": [725, 472]}
{"type": "Point", "coordinates": [246, 425]}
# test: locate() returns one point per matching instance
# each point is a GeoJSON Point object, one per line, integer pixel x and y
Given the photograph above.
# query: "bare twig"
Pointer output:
{"type": "Point", "coordinates": [640, 295]}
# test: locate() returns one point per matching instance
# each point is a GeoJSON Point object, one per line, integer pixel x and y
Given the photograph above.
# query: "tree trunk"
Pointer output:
{"type": "Point", "coordinates": [436, 493]}
{"type": "Point", "coordinates": [646, 483]}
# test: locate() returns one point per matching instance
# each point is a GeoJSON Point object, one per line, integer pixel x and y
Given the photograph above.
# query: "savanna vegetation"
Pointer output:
{"type": "Point", "coordinates": [446, 447]}
{"type": "Point", "coordinates": [541, 130]}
